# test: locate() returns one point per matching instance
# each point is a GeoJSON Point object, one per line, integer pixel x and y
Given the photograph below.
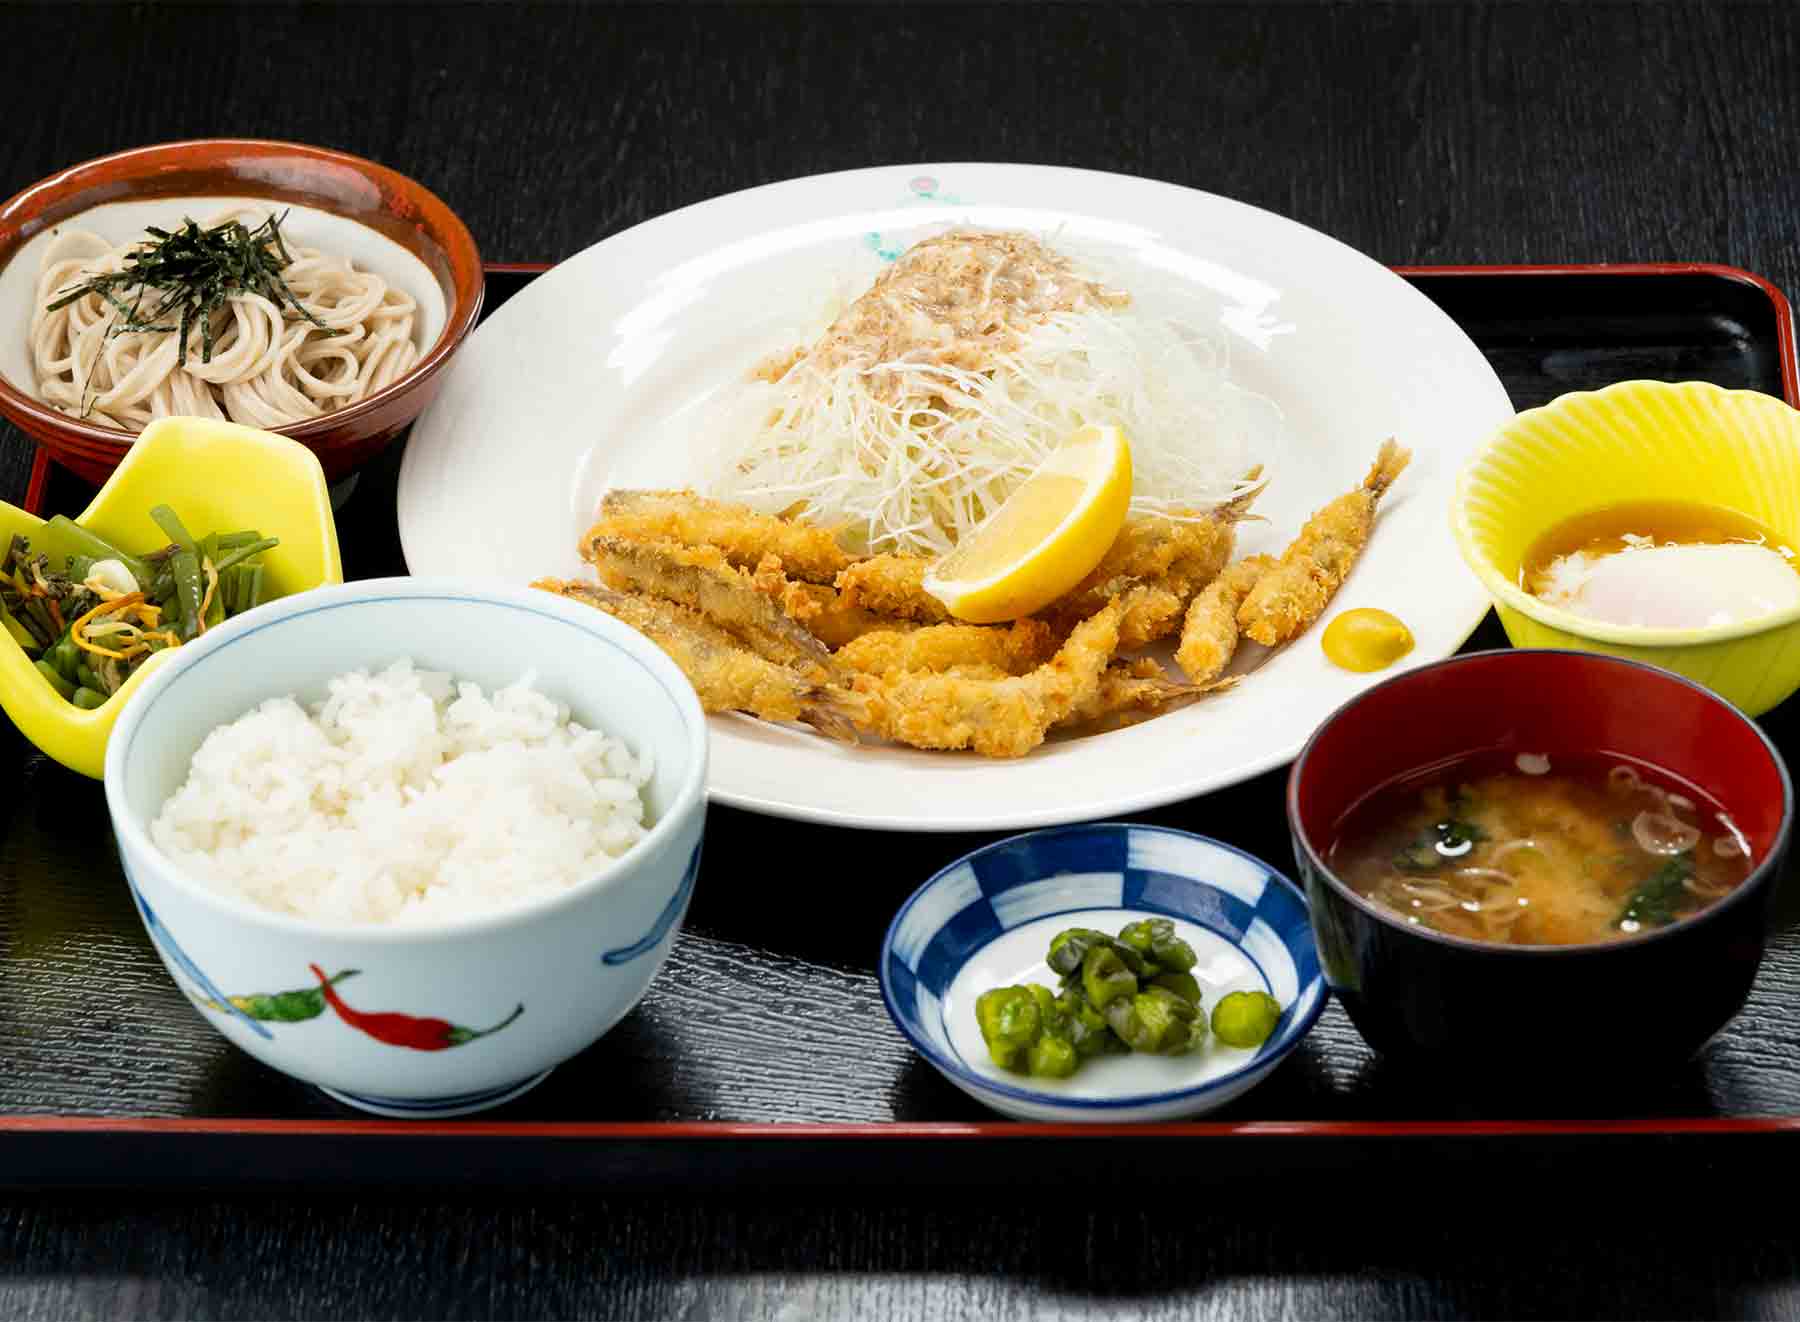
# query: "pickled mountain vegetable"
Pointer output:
{"type": "Point", "coordinates": [1245, 1018]}
{"type": "Point", "coordinates": [1155, 939]}
{"type": "Point", "coordinates": [1104, 977]}
{"type": "Point", "coordinates": [1157, 1021]}
{"type": "Point", "coordinates": [89, 613]}
{"type": "Point", "coordinates": [1010, 1023]}
{"type": "Point", "coordinates": [1118, 994]}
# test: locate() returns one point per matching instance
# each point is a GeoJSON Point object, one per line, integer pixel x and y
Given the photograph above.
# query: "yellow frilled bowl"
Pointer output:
{"type": "Point", "coordinates": [218, 476]}
{"type": "Point", "coordinates": [1637, 441]}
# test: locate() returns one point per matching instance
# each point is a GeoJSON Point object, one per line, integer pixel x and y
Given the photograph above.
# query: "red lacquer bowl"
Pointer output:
{"type": "Point", "coordinates": [1654, 998]}
{"type": "Point", "coordinates": [370, 195]}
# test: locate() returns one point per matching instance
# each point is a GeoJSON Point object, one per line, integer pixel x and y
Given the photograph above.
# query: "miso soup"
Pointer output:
{"type": "Point", "coordinates": [1530, 850]}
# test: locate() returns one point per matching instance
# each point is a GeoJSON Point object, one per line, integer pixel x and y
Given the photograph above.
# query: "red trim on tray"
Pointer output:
{"type": "Point", "coordinates": [39, 482]}
{"type": "Point", "coordinates": [715, 1131]}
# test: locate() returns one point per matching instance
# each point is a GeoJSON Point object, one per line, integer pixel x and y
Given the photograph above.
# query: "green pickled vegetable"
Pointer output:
{"type": "Point", "coordinates": [172, 526]}
{"type": "Point", "coordinates": [250, 596]}
{"type": "Point", "coordinates": [189, 591]}
{"type": "Point", "coordinates": [1104, 977]}
{"type": "Point", "coordinates": [1070, 946]}
{"type": "Point", "coordinates": [1182, 984]}
{"type": "Point", "coordinates": [1245, 1019]}
{"type": "Point", "coordinates": [1115, 995]}
{"type": "Point", "coordinates": [1010, 1022]}
{"type": "Point", "coordinates": [1086, 1026]}
{"type": "Point", "coordinates": [45, 591]}
{"type": "Point", "coordinates": [240, 554]}
{"type": "Point", "coordinates": [1154, 939]}
{"type": "Point", "coordinates": [63, 538]}
{"type": "Point", "coordinates": [1052, 1058]}
{"type": "Point", "coordinates": [18, 632]}
{"type": "Point", "coordinates": [64, 689]}
{"type": "Point", "coordinates": [1141, 935]}
{"type": "Point", "coordinates": [1156, 1021]}
{"type": "Point", "coordinates": [66, 657]}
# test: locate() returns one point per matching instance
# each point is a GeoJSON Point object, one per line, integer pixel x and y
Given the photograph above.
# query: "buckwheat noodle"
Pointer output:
{"type": "Point", "coordinates": [267, 369]}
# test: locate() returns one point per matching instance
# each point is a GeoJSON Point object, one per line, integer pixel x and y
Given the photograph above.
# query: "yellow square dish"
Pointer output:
{"type": "Point", "coordinates": [218, 476]}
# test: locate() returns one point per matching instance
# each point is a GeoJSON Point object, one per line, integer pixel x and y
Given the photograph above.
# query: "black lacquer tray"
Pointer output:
{"type": "Point", "coordinates": [762, 1054]}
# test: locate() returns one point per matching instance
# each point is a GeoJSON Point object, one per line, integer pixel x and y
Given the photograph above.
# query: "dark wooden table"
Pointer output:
{"type": "Point", "coordinates": [1432, 133]}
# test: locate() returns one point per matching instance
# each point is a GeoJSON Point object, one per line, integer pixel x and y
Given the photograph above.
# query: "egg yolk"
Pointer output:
{"type": "Point", "coordinates": [1366, 639]}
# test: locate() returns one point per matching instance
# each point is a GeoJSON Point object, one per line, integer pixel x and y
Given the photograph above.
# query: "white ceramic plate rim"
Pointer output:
{"type": "Point", "coordinates": [789, 774]}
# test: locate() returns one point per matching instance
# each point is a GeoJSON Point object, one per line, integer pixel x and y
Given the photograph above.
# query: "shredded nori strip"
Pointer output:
{"type": "Point", "coordinates": [195, 271]}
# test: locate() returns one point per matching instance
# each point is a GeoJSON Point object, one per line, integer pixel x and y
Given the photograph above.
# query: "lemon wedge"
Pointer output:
{"type": "Point", "coordinates": [1046, 537]}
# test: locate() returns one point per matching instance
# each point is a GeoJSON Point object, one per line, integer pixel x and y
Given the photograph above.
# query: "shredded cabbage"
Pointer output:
{"type": "Point", "coordinates": [913, 455]}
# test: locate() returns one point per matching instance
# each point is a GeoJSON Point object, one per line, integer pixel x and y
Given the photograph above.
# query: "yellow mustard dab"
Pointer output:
{"type": "Point", "coordinates": [1366, 639]}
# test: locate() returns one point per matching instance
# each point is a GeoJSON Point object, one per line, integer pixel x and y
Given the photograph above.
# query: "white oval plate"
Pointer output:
{"type": "Point", "coordinates": [588, 377]}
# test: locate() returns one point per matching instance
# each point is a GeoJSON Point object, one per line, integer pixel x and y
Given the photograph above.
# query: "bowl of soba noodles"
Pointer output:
{"type": "Point", "coordinates": [285, 287]}
{"type": "Point", "coordinates": [1526, 857]}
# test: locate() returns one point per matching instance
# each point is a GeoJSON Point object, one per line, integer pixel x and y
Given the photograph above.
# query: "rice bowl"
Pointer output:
{"type": "Point", "coordinates": [554, 969]}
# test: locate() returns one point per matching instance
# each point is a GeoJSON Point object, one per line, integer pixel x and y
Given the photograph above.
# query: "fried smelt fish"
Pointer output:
{"type": "Point", "coordinates": [700, 578]}
{"type": "Point", "coordinates": [1209, 634]}
{"type": "Point", "coordinates": [996, 717]}
{"type": "Point", "coordinates": [1130, 691]}
{"type": "Point", "coordinates": [726, 675]}
{"type": "Point", "coordinates": [1295, 593]}
{"type": "Point", "coordinates": [821, 608]}
{"type": "Point", "coordinates": [1176, 557]}
{"type": "Point", "coordinates": [743, 535]}
{"type": "Point", "coordinates": [1014, 650]}
{"type": "Point", "coordinates": [893, 585]}
{"type": "Point", "coordinates": [1154, 612]}
{"type": "Point", "coordinates": [1150, 546]}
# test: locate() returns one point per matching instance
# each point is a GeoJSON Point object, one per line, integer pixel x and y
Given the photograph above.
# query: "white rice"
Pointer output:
{"type": "Point", "coordinates": [404, 798]}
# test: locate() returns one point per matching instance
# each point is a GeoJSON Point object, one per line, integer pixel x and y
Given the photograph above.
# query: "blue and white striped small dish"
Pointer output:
{"type": "Point", "coordinates": [987, 919]}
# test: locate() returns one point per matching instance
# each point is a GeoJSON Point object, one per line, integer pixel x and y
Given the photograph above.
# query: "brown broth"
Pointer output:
{"type": "Point", "coordinates": [1446, 850]}
{"type": "Point", "coordinates": [1603, 531]}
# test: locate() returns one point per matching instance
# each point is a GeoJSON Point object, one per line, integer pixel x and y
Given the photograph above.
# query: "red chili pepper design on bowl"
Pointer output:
{"type": "Point", "coordinates": [405, 1030]}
